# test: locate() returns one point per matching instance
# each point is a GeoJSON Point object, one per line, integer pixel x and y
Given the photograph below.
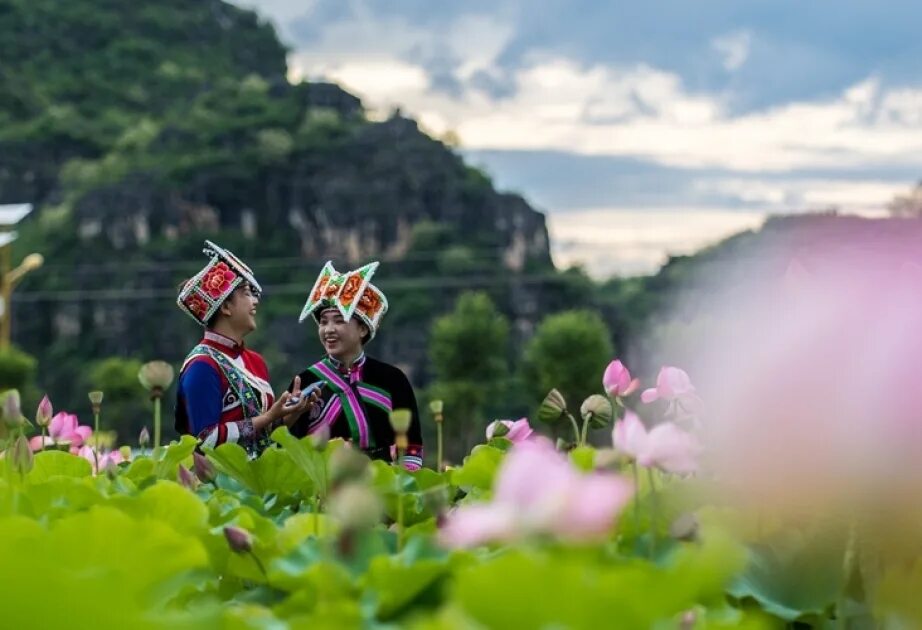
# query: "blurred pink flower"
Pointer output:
{"type": "Point", "coordinates": [65, 427]}
{"type": "Point", "coordinates": [538, 491]}
{"type": "Point", "coordinates": [672, 383]}
{"type": "Point", "coordinates": [473, 525]}
{"type": "Point", "coordinates": [674, 386]}
{"type": "Point", "coordinates": [517, 431]}
{"type": "Point", "coordinates": [113, 458]}
{"type": "Point", "coordinates": [39, 442]}
{"type": "Point", "coordinates": [671, 449]}
{"type": "Point", "coordinates": [629, 435]}
{"type": "Point", "coordinates": [617, 380]}
{"type": "Point", "coordinates": [665, 446]}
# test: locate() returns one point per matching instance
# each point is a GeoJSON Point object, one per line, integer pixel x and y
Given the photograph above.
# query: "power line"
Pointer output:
{"type": "Point", "coordinates": [164, 293]}
{"type": "Point", "coordinates": [476, 254]}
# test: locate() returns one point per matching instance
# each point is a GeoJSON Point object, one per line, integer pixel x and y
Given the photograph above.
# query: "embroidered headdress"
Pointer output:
{"type": "Point", "coordinates": [203, 294]}
{"type": "Point", "coordinates": [351, 293]}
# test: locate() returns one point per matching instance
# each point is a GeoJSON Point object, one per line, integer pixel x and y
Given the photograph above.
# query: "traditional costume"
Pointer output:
{"type": "Point", "coordinates": [222, 384]}
{"type": "Point", "coordinates": [357, 399]}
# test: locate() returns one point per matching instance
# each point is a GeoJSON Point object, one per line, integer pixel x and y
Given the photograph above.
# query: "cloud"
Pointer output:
{"type": "Point", "coordinates": [761, 107]}
{"type": "Point", "coordinates": [626, 241]}
{"type": "Point", "coordinates": [733, 49]}
{"type": "Point", "coordinates": [604, 82]}
{"type": "Point", "coordinates": [848, 195]}
{"type": "Point", "coordinates": [644, 112]}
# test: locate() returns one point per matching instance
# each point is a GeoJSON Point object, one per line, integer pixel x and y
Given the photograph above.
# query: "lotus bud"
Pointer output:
{"type": "Point", "coordinates": [356, 507]}
{"type": "Point", "coordinates": [12, 412]}
{"type": "Point", "coordinates": [111, 469]}
{"type": "Point", "coordinates": [239, 539]}
{"type": "Point", "coordinates": [597, 411]}
{"type": "Point", "coordinates": [347, 464]}
{"type": "Point", "coordinates": [684, 528]}
{"type": "Point", "coordinates": [400, 420]}
{"type": "Point", "coordinates": [144, 437]}
{"type": "Point", "coordinates": [204, 469]}
{"type": "Point", "coordinates": [21, 455]}
{"type": "Point", "coordinates": [617, 380]}
{"type": "Point", "coordinates": [156, 377]}
{"type": "Point", "coordinates": [552, 408]}
{"type": "Point", "coordinates": [497, 429]}
{"type": "Point", "coordinates": [320, 438]}
{"type": "Point", "coordinates": [44, 412]}
{"type": "Point", "coordinates": [436, 501]}
{"type": "Point", "coordinates": [185, 478]}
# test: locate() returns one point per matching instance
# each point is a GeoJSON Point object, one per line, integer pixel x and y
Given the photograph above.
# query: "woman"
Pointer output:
{"type": "Point", "coordinates": [358, 391]}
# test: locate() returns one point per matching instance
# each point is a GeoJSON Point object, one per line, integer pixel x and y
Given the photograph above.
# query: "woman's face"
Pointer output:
{"type": "Point", "coordinates": [341, 339]}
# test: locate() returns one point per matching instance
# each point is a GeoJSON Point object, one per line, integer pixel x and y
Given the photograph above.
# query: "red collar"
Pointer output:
{"type": "Point", "coordinates": [225, 344]}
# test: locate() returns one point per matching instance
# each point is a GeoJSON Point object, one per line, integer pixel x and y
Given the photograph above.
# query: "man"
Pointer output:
{"type": "Point", "coordinates": [359, 392]}
{"type": "Point", "coordinates": [224, 395]}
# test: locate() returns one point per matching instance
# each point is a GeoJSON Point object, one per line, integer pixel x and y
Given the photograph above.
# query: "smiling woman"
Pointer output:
{"type": "Point", "coordinates": [359, 392]}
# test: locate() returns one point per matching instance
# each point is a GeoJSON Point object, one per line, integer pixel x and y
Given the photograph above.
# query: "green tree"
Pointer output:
{"type": "Point", "coordinates": [468, 355]}
{"type": "Point", "coordinates": [569, 351]}
{"type": "Point", "coordinates": [17, 369]}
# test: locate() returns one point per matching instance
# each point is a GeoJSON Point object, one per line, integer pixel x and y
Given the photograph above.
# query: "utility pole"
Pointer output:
{"type": "Point", "coordinates": [10, 215]}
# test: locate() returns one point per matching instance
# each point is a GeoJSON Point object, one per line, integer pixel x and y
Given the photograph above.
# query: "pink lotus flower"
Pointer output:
{"type": "Point", "coordinates": [538, 491]}
{"type": "Point", "coordinates": [516, 432]}
{"type": "Point", "coordinates": [672, 383]}
{"type": "Point", "coordinates": [38, 442]}
{"type": "Point", "coordinates": [665, 446]}
{"type": "Point", "coordinates": [112, 458]}
{"type": "Point", "coordinates": [65, 427]}
{"type": "Point", "coordinates": [617, 380]}
{"type": "Point", "coordinates": [674, 386]}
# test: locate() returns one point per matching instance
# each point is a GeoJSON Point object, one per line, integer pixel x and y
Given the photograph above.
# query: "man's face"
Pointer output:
{"type": "Point", "coordinates": [240, 309]}
{"type": "Point", "coordinates": [340, 339]}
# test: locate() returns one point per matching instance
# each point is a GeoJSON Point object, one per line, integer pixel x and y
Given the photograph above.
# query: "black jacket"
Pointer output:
{"type": "Point", "coordinates": [373, 385]}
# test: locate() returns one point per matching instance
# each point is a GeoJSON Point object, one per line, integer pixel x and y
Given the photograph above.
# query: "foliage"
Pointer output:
{"type": "Point", "coordinates": [17, 369]}
{"type": "Point", "coordinates": [312, 533]}
{"type": "Point", "coordinates": [468, 354]}
{"type": "Point", "coordinates": [569, 351]}
{"type": "Point", "coordinates": [126, 408]}
{"type": "Point", "coordinates": [134, 544]}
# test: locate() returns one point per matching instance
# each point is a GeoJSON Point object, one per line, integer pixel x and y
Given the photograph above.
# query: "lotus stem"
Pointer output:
{"type": "Point", "coordinates": [654, 509]}
{"type": "Point", "coordinates": [438, 433]}
{"type": "Point", "coordinates": [156, 422]}
{"type": "Point", "coordinates": [576, 433]}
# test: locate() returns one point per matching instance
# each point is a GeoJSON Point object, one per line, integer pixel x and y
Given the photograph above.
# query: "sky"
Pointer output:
{"type": "Point", "coordinates": [642, 129]}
